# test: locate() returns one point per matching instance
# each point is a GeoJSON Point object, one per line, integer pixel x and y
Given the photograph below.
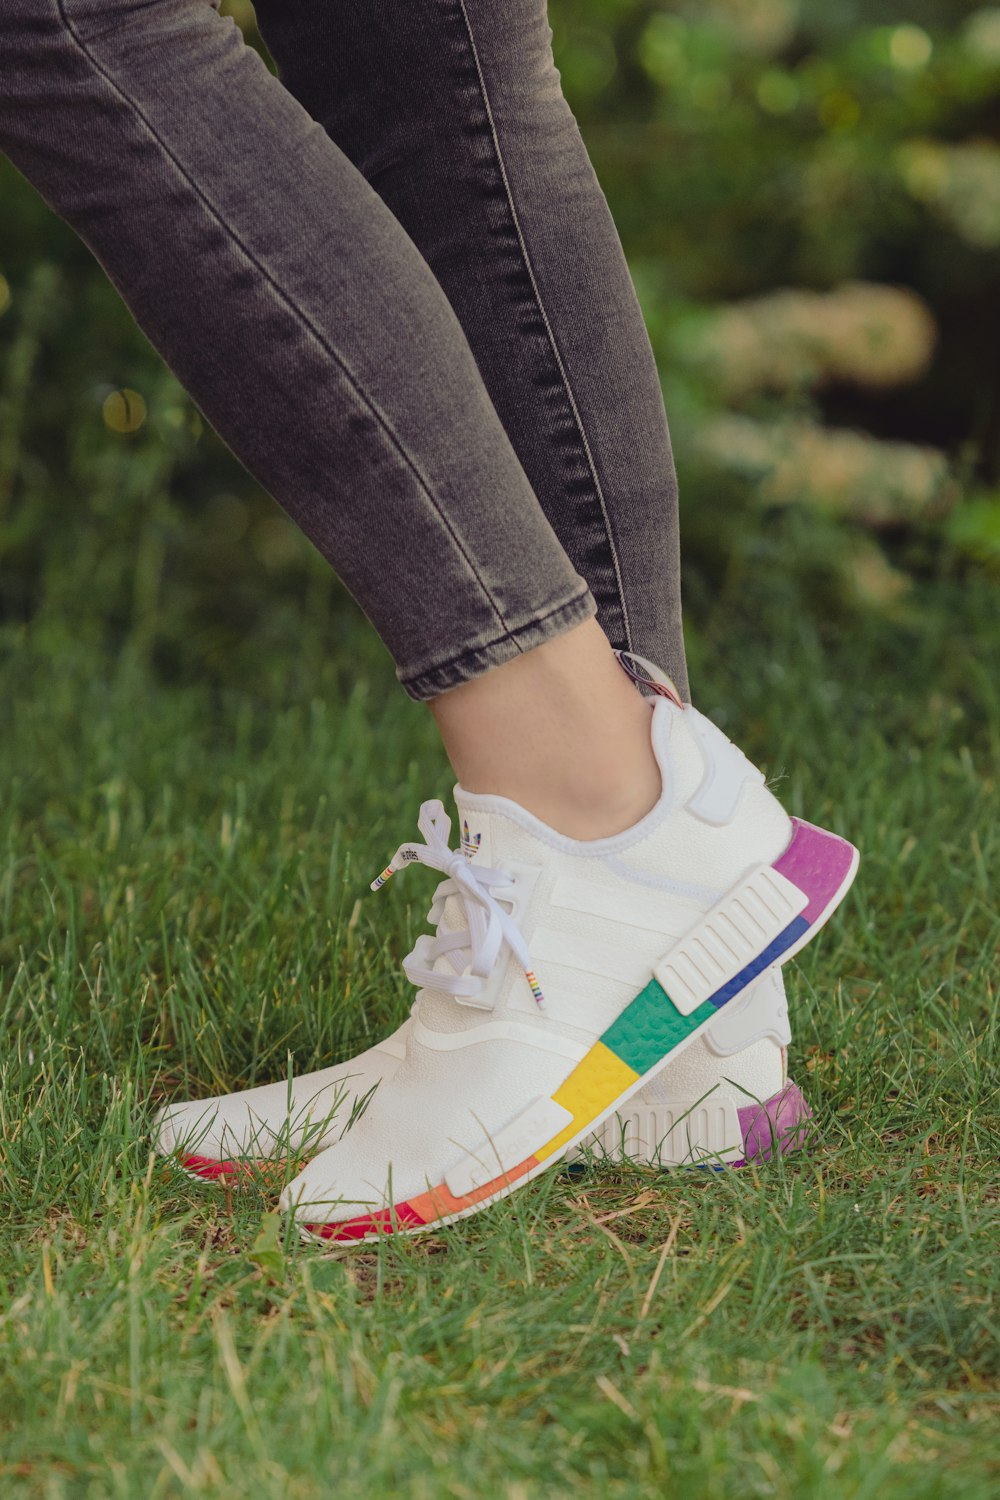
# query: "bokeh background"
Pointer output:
{"type": "Point", "coordinates": [808, 192]}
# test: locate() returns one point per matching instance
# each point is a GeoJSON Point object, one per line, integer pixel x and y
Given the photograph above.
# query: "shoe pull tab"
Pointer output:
{"type": "Point", "coordinates": [649, 676]}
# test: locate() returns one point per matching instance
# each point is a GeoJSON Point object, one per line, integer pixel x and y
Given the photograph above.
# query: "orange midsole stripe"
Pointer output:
{"type": "Point", "coordinates": [438, 1203]}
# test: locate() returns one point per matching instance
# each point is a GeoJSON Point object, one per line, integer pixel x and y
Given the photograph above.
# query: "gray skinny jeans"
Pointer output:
{"type": "Point", "coordinates": [391, 282]}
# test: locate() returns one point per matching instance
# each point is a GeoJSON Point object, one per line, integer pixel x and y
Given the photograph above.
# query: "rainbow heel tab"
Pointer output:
{"type": "Point", "coordinates": [648, 675]}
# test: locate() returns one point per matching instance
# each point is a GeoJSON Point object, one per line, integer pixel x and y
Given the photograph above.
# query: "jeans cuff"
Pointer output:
{"type": "Point", "coordinates": [476, 660]}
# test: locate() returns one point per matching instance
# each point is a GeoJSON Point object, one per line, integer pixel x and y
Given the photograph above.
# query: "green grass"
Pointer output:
{"type": "Point", "coordinates": [180, 871]}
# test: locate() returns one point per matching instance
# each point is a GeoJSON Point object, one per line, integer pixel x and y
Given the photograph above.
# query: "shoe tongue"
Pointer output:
{"type": "Point", "coordinates": [477, 831]}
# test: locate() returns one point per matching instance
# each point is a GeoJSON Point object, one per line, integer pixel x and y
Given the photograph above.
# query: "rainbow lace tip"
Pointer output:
{"type": "Point", "coordinates": [381, 879]}
{"type": "Point", "coordinates": [534, 986]}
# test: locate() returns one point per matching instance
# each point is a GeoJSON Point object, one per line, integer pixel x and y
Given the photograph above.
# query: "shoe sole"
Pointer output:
{"type": "Point", "coordinates": [205, 1169]}
{"type": "Point", "coordinates": [713, 1133]}
{"type": "Point", "coordinates": [814, 872]}
{"type": "Point", "coordinates": [705, 1133]}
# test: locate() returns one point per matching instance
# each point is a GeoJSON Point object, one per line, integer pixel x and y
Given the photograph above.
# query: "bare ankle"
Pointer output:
{"type": "Point", "coordinates": [561, 731]}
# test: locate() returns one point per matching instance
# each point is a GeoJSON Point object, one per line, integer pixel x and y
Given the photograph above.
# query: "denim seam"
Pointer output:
{"type": "Point", "coordinates": [548, 327]}
{"type": "Point", "coordinates": [286, 300]}
{"type": "Point", "coordinates": [576, 605]}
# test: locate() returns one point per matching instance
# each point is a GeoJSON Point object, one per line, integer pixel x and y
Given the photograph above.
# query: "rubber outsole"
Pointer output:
{"type": "Point", "coordinates": [712, 1132]}
{"type": "Point", "coordinates": [775, 1126]}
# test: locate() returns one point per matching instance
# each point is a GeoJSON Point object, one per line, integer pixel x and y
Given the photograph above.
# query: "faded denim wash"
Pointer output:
{"type": "Point", "coordinates": [391, 282]}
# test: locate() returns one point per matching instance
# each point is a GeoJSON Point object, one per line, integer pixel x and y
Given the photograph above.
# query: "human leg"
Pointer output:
{"type": "Point", "coordinates": [455, 114]}
{"type": "Point", "coordinates": [532, 204]}
{"type": "Point", "coordinates": [298, 314]}
{"type": "Point", "coordinates": [453, 110]}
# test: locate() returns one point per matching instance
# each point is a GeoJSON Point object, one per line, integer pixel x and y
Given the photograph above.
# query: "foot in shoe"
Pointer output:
{"type": "Point", "coordinates": [565, 975]}
{"type": "Point", "coordinates": [712, 1104]}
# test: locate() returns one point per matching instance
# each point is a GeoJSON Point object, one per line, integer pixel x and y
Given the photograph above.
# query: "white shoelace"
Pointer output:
{"type": "Point", "coordinates": [489, 926]}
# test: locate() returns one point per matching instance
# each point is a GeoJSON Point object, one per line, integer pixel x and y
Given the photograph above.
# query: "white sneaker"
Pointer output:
{"type": "Point", "coordinates": [711, 1104]}
{"type": "Point", "coordinates": [565, 975]}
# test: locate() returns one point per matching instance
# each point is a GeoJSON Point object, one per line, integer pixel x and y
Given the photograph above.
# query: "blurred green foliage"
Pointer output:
{"type": "Point", "coordinates": [809, 196]}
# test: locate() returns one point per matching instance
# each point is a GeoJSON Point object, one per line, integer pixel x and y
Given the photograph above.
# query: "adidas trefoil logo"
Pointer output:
{"type": "Point", "coordinates": [470, 841]}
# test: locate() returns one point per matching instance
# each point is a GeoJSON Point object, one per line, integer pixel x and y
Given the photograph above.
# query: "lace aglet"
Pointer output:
{"type": "Point", "coordinates": [534, 986]}
{"type": "Point", "coordinates": [380, 880]}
